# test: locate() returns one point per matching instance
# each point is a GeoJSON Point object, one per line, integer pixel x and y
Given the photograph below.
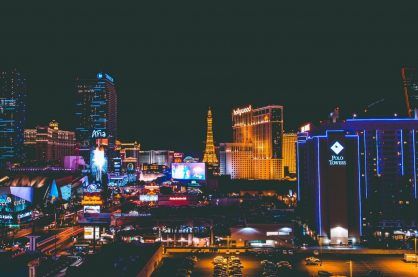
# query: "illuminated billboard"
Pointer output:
{"type": "Point", "coordinates": [91, 209]}
{"type": "Point", "coordinates": [98, 163]}
{"type": "Point", "coordinates": [91, 200]}
{"type": "Point", "coordinates": [66, 192]}
{"type": "Point", "coordinates": [188, 171]}
{"type": "Point", "coordinates": [148, 197]}
{"type": "Point", "coordinates": [88, 232]}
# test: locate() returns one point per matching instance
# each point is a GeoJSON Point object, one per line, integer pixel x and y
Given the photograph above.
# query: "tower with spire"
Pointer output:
{"type": "Point", "coordinates": [209, 156]}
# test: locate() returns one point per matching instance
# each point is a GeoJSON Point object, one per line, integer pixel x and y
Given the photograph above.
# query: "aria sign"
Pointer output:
{"type": "Point", "coordinates": [337, 159]}
{"type": "Point", "coordinates": [98, 134]}
{"type": "Point", "coordinates": [243, 110]}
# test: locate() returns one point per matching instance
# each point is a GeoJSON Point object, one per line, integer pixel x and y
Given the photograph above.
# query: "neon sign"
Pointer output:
{"type": "Point", "coordinates": [107, 76]}
{"type": "Point", "coordinates": [176, 198]}
{"type": "Point", "coordinates": [305, 128]}
{"type": "Point", "coordinates": [242, 110]}
{"type": "Point", "coordinates": [98, 134]}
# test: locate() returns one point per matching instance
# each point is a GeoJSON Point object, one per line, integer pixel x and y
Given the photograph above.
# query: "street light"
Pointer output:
{"type": "Point", "coordinates": [416, 257]}
{"type": "Point", "coordinates": [351, 267]}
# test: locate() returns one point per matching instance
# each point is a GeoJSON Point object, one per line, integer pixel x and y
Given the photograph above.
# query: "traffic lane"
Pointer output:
{"type": "Point", "coordinates": [389, 266]}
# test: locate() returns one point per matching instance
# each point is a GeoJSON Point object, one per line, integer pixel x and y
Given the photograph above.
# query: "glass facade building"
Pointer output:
{"type": "Point", "coordinates": [13, 92]}
{"type": "Point", "coordinates": [96, 110]}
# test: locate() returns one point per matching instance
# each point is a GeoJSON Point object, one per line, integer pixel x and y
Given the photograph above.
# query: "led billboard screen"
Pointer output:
{"type": "Point", "coordinates": [66, 192]}
{"type": "Point", "coordinates": [148, 198]}
{"type": "Point", "coordinates": [91, 209]}
{"type": "Point", "coordinates": [188, 171]}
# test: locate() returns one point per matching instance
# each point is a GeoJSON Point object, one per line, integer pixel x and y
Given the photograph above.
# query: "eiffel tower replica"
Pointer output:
{"type": "Point", "coordinates": [209, 156]}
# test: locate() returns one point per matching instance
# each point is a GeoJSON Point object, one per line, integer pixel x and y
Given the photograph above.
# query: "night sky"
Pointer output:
{"type": "Point", "coordinates": [171, 62]}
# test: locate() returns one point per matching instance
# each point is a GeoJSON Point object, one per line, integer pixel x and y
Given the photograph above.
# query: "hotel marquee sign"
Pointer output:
{"type": "Point", "coordinates": [242, 110]}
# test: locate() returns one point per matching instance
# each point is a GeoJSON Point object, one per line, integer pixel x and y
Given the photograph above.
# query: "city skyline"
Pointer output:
{"type": "Point", "coordinates": [273, 55]}
{"type": "Point", "coordinates": [154, 140]}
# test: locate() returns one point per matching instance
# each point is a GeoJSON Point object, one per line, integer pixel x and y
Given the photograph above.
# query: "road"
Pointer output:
{"type": "Point", "coordinates": [54, 242]}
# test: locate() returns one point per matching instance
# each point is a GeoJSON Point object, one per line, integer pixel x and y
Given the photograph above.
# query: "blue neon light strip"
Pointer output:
{"type": "Point", "coordinates": [402, 167]}
{"type": "Point", "coordinates": [415, 166]}
{"type": "Point", "coordinates": [298, 169]}
{"type": "Point", "coordinates": [377, 153]}
{"type": "Point", "coordinates": [365, 164]}
{"type": "Point", "coordinates": [319, 193]}
{"type": "Point", "coordinates": [381, 119]}
{"type": "Point", "coordinates": [359, 186]}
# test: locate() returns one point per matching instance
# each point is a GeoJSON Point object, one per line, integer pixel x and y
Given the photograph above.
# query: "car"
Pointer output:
{"type": "Point", "coordinates": [290, 252]}
{"type": "Point", "coordinates": [323, 273]}
{"type": "Point", "coordinates": [312, 261]}
{"type": "Point", "coordinates": [284, 264]}
{"type": "Point", "coordinates": [263, 262]}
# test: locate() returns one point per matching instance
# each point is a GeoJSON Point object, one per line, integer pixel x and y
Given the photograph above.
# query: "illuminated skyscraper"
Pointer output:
{"type": "Point", "coordinates": [289, 153]}
{"type": "Point", "coordinates": [12, 115]}
{"type": "Point", "coordinates": [209, 156]}
{"type": "Point", "coordinates": [96, 110]}
{"type": "Point", "coordinates": [410, 89]}
{"type": "Point", "coordinates": [260, 129]}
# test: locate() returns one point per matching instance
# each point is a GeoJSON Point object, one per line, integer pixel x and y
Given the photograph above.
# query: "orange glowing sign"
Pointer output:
{"type": "Point", "coordinates": [91, 200]}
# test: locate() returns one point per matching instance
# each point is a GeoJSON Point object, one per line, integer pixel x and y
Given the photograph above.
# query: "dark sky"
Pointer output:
{"type": "Point", "coordinates": [171, 62]}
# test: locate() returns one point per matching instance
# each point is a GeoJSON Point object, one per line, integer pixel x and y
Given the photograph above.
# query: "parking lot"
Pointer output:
{"type": "Point", "coordinates": [362, 265]}
{"type": "Point", "coordinates": [336, 264]}
{"type": "Point", "coordinates": [205, 267]}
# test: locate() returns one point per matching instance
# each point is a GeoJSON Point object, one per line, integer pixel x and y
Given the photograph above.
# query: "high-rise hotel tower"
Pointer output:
{"type": "Point", "coordinates": [96, 110]}
{"type": "Point", "coordinates": [256, 151]}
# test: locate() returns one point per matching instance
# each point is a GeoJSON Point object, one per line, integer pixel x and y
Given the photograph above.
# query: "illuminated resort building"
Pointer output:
{"type": "Point", "coordinates": [49, 144]}
{"type": "Point", "coordinates": [127, 158]}
{"type": "Point", "coordinates": [289, 154]}
{"type": "Point", "coordinates": [236, 160]}
{"type": "Point", "coordinates": [159, 157]}
{"type": "Point", "coordinates": [96, 110]}
{"type": "Point", "coordinates": [358, 177]}
{"type": "Point", "coordinates": [12, 115]}
{"type": "Point", "coordinates": [129, 151]}
{"type": "Point", "coordinates": [256, 151]}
